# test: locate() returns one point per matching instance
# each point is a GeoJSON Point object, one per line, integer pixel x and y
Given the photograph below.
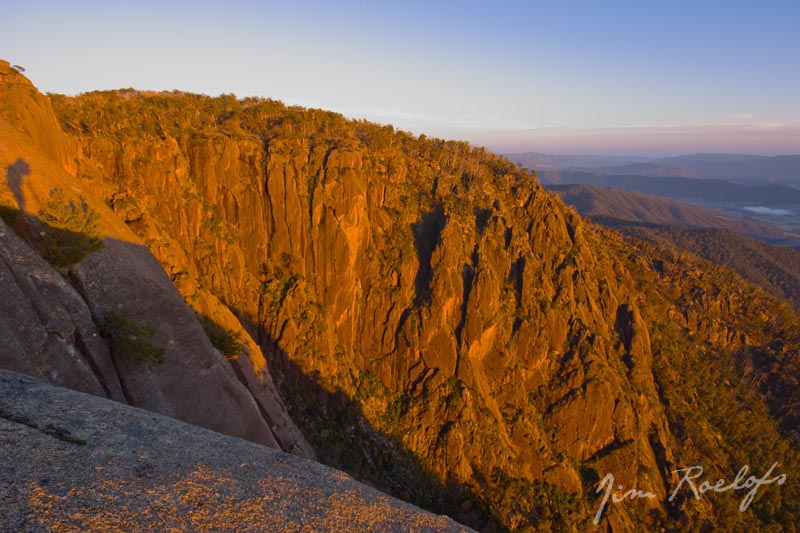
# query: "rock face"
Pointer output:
{"type": "Point", "coordinates": [102, 316]}
{"type": "Point", "coordinates": [70, 461]}
{"type": "Point", "coordinates": [47, 329]}
{"type": "Point", "coordinates": [437, 323]}
{"type": "Point", "coordinates": [489, 353]}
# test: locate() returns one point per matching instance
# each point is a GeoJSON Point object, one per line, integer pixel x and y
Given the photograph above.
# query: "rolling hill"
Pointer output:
{"type": "Point", "coordinates": [690, 189]}
{"type": "Point", "coordinates": [632, 206]}
{"type": "Point", "coordinates": [703, 232]}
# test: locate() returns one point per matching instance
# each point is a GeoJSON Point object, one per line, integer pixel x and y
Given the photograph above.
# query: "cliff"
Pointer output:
{"type": "Point", "coordinates": [441, 326]}
{"type": "Point", "coordinates": [86, 305]}
{"type": "Point", "coordinates": [492, 355]}
{"type": "Point", "coordinates": [84, 463]}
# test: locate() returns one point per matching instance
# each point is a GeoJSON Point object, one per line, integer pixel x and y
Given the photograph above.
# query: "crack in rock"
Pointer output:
{"type": "Point", "coordinates": [50, 429]}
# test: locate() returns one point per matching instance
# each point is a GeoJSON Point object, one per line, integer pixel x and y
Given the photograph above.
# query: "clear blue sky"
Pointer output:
{"type": "Point", "coordinates": [643, 76]}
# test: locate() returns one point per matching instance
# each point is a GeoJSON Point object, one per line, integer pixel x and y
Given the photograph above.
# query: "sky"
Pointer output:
{"type": "Point", "coordinates": [644, 77]}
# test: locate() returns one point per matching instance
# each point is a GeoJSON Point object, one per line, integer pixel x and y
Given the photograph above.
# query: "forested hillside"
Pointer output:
{"type": "Point", "coordinates": [441, 326]}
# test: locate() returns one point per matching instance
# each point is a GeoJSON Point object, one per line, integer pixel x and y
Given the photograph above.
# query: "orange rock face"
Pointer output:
{"type": "Point", "coordinates": [436, 322]}
{"type": "Point", "coordinates": [88, 306]}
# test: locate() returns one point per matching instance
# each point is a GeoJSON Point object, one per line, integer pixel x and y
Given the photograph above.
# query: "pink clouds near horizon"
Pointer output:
{"type": "Point", "coordinates": [761, 139]}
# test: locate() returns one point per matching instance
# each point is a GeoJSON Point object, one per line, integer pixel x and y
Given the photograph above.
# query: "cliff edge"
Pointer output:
{"type": "Point", "coordinates": [73, 461]}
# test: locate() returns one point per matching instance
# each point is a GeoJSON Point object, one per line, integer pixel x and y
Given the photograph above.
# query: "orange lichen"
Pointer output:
{"type": "Point", "coordinates": [208, 500]}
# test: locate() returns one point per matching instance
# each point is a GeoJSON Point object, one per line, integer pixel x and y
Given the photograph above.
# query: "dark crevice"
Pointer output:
{"type": "Point", "coordinates": [267, 194]}
{"type": "Point", "coordinates": [51, 430]}
{"type": "Point", "coordinates": [516, 277]}
{"type": "Point", "coordinates": [264, 414]}
{"type": "Point", "coordinates": [80, 344]}
{"type": "Point", "coordinates": [482, 217]}
{"type": "Point", "coordinates": [427, 236]}
{"type": "Point", "coordinates": [327, 155]}
{"type": "Point", "coordinates": [571, 229]}
{"type": "Point", "coordinates": [400, 323]}
{"type": "Point", "coordinates": [78, 286]}
{"type": "Point", "coordinates": [122, 384]}
{"type": "Point", "coordinates": [421, 380]}
{"type": "Point", "coordinates": [660, 452]}
{"type": "Point", "coordinates": [609, 448]}
{"type": "Point", "coordinates": [624, 324]}
{"type": "Point", "coordinates": [468, 277]}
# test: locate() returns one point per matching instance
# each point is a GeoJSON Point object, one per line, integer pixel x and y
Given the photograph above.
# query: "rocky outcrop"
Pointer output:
{"type": "Point", "coordinates": [437, 323]}
{"type": "Point", "coordinates": [89, 307]}
{"type": "Point", "coordinates": [461, 307]}
{"type": "Point", "coordinates": [47, 328]}
{"type": "Point", "coordinates": [32, 114]}
{"type": "Point", "coordinates": [70, 461]}
{"type": "Point", "coordinates": [193, 383]}
{"type": "Point", "coordinates": [426, 297]}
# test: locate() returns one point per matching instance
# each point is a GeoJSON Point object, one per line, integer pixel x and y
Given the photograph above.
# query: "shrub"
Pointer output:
{"type": "Point", "coordinates": [228, 342]}
{"type": "Point", "coordinates": [9, 215]}
{"type": "Point", "coordinates": [71, 233]}
{"type": "Point", "coordinates": [130, 340]}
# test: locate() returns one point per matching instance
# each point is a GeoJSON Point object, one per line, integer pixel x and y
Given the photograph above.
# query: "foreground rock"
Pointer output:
{"type": "Point", "coordinates": [87, 306]}
{"type": "Point", "coordinates": [72, 461]}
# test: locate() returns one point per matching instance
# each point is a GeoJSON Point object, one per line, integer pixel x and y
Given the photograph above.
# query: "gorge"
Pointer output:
{"type": "Point", "coordinates": [419, 313]}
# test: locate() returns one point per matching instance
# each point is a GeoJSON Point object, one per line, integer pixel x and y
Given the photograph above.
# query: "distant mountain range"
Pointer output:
{"type": "Point", "coordinates": [715, 191]}
{"type": "Point", "coordinates": [741, 168]}
{"type": "Point", "coordinates": [718, 238]}
{"type": "Point", "coordinates": [631, 206]}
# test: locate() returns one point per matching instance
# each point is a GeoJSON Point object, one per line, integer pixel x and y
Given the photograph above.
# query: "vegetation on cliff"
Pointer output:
{"type": "Point", "coordinates": [444, 328]}
{"type": "Point", "coordinates": [86, 305]}
{"type": "Point", "coordinates": [723, 240]}
{"type": "Point", "coordinates": [776, 269]}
